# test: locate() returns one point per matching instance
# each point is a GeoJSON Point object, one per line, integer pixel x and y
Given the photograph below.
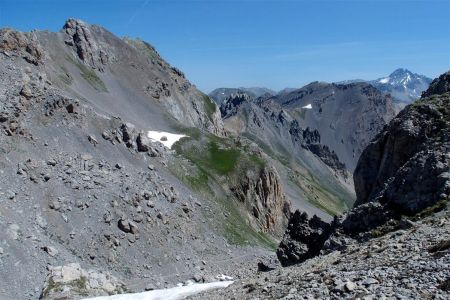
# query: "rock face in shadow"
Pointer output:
{"type": "Point", "coordinates": [263, 196]}
{"type": "Point", "coordinates": [303, 239]}
{"type": "Point", "coordinates": [405, 170]}
{"type": "Point", "coordinates": [438, 86]}
{"type": "Point", "coordinates": [407, 165]}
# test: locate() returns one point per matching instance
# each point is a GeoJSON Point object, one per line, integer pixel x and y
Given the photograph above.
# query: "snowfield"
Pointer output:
{"type": "Point", "coordinates": [309, 106]}
{"type": "Point", "coordinates": [175, 293]}
{"type": "Point", "coordinates": [165, 138]}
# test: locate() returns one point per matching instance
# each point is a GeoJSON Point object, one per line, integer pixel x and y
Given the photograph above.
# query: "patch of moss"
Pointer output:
{"type": "Point", "coordinates": [79, 284]}
{"type": "Point", "coordinates": [437, 207]}
{"type": "Point", "coordinates": [209, 106]}
{"type": "Point", "coordinates": [50, 287]}
{"type": "Point", "coordinates": [222, 161]}
{"type": "Point", "coordinates": [89, 75]}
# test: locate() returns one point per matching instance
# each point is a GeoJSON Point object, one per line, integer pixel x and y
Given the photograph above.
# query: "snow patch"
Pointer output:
{"type": "Point", "coordinates": [175, 293]}
{"type": "Point", "coordinates": [309, 106]}
{"type": "Point", "coordinates": [384, 80]}
{"type": "Point", "coordinates": [165, 138]}
{"type": "Point", "coordinates": [222, 277]}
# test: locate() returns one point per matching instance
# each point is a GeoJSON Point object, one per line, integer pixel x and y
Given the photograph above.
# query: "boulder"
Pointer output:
{"type": "Point", "coordinates": [72, 282]}
{"type": "Point", "coordinates": [303, 239]}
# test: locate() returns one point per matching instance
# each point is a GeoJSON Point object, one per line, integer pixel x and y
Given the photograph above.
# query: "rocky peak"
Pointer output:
{"type": "Point", "coordinates": [79, 36]}
{"type": "Point", "coordinates": [402, 84]}
{"type": "Point", "coordinates": [232, 103]}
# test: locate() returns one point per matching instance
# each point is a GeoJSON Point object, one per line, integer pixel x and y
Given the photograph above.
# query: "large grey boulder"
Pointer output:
{"type": "Point", "coordinates": [72, 282]}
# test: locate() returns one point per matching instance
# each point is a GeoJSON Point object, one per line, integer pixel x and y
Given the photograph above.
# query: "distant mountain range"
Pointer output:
{"type": "Point", "coordinates": [403, 85]}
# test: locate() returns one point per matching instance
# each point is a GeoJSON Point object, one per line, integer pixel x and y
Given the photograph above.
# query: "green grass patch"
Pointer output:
{"type": "Point", "coordinates": [89, 75]}
{"type": "Point", "coordinates": [213, 163]}
{"type": "Point", "coordinates": [223, 161]}
{"type": "Point", "coordinates": [209, 106]}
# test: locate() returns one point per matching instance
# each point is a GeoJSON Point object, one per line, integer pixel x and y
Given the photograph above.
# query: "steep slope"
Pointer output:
{"type": "Point", "coordinates": [407, 165]}
{"type": "Point", "coordinates": [313, 177]}
{"type": "Point", "coordinates": [125, 78]}
{"type": "Point", "coordinates": [400, 223]}
{"type": "Point", "coordinates": [83, 182]}
{"type": "Point", "coordinates": [404, 171]}
{"type": "Point", "coordinates": [403, 85]}
{"type": "Point", "coordinates": [346, 116]}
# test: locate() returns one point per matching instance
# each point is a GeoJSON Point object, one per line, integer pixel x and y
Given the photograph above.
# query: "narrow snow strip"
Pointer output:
{"type": "Point", "coordinates": [384, 80]}
{"type": "Point", "coordinates": [175, 293]}
{"type": "Point", "coordinates": [165, 138]}
{"type": "Point", "coordinates": [309, 106]}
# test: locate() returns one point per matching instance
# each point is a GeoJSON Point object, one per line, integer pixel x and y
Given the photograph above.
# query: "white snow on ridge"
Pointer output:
{"type": "Point", "coordinates": [175, 293]}
{"type": "Point", "coordinates": [165, 138]}
{"type": "Point", "coordinates": [309, 106]}
{"type": "Point", "coordinates": [384, 80]}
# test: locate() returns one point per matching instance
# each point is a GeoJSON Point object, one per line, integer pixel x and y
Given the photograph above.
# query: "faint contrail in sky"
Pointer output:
{"type": "Point", "coordinates": [137, 11]}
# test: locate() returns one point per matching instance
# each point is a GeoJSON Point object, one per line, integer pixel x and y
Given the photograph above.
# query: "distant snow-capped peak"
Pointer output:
{"type": "Point", "coordinates": [403, 84]}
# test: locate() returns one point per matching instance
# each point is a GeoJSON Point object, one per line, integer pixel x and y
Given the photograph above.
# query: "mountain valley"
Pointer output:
{"type": "Point", "coordinates": [119, 176]}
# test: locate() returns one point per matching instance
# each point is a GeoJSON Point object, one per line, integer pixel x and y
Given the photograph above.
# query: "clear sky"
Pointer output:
{"type": "Point", "coordinates": [276, 44]}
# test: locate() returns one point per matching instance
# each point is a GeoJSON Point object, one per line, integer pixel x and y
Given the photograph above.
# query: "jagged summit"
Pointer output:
{"type": "Point", "coordinates": [403, 85]}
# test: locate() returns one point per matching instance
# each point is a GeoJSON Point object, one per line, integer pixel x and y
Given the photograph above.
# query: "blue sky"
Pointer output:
{"type": "Point", "coordinates": [277, 44]}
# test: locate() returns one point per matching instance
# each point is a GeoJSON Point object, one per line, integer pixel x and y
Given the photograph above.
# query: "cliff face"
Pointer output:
{"type": "Point", "coordinates": [347, 116]}
{"type": "Point", "coordinates": [404, 171]}
{"type": "Point", "coordinates": [407, 165]}
{"type": "Point", "coordinates": [262, 193]}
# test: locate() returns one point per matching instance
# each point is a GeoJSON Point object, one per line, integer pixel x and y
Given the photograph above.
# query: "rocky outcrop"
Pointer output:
{"type": "Point", "coordinates": [262, 193]}
{"type": "Point", "coordinates": [439, 86]}
{"type": "Point", "coordinates": [232, 103]}
{"type": "Point", "coordinates": [72, 282]}
{"type": "Point", "coordinates": [303, 239]}
{"type": "Point", "coordinates": [404, 171]}
{"type": "Point", "coordinates": [80, 37]}
{"type": "Point", "coordinates": [407, 166]}
{"type": "Point", "coordinates": [310, 140]}
{"type": "Point", "coordinates": [26, 45]}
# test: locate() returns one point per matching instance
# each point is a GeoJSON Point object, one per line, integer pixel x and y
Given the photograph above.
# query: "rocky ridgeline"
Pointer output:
{"type": "Point", "coordinates": [260, 113]}
{"type": "Point", "coordinates": [24, 45]}
{"type": "Point", "coordinates": [82, 187]}
{"type": "Point", "coordinates": [404, 171]}
{"type": "Point", "coordinates": [395, 242]}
